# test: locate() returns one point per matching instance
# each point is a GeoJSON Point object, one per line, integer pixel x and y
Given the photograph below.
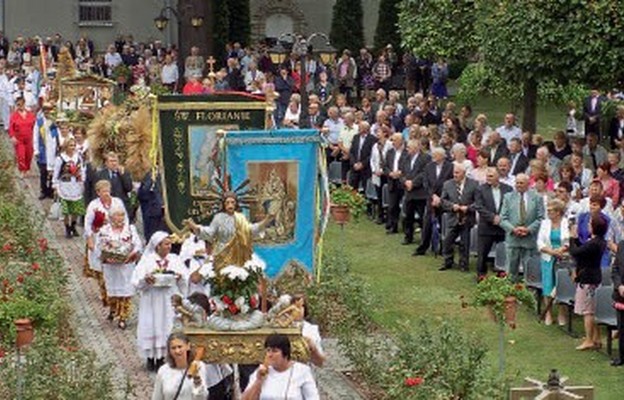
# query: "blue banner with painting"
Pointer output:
{"type": "Point", "coordinates": [281, 168]}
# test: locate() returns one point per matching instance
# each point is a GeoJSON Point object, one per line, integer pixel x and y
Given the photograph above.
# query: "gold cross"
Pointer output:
{"type": "Point", "coordinates": [211, 62]}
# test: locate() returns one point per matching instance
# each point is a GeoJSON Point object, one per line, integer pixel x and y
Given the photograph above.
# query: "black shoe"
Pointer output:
{"type": "Point", "coordinates": [42, 196]}
{"type": "Point", "coordinates": [68, 232]}
{"type": "Point", "coordinates": [418, 253]}
{"type": "Point", "coordinates": [380, 221]}
{"type": "Point", "coordinates": [392, 232]}
{"type": "Point", "coordinates": [73, 229]}
{"type": "Point", "coordinates": [617, 362]}
{"type": "Point", "coordinates": [407, 241]}
{"type": "Point", "coordinates": [111, 316]}
{"type": "Point", "coordinates": [444, 268]}
{"type": "Point", "coordinates": [150, 365]}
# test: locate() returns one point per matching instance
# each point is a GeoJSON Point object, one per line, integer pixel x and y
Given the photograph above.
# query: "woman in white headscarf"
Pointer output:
{"type": "Point", "coordinates": [155, 309]}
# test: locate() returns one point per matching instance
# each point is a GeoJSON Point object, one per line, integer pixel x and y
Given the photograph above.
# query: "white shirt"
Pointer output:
{"type": "Point", "coordinates": [334, 126]}
{"type": "Point", "coordinates": [508, 180]}
{"type": "Point", "coordinates": [169, 73]}
{"type": "Point", "coordinates": [168, 379]}
{"type": "Point", "coordinates": [509, 133]}
{"type": "Point", "coordinates": [395, 162]}
{"type": "Point", "coordinates": [496, 194]}
{"type": "Point", "coordinates": [296, 383]}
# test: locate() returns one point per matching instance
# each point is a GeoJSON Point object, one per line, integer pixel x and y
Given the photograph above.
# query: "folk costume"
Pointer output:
{"type": "Point", "coordinates": [67, 179]}
{"type": "Point", "coordinates": [45, 134]}
{"type": "Point", "coordinates": [97, 216]}
{"type": "Point", "coordinates": [115, 246]}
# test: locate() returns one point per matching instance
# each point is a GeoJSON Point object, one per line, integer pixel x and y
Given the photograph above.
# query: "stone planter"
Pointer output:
{"type": "Point", "coordinates": [25, 333]}
{"type": "Point", "coordinates": [340, 214]}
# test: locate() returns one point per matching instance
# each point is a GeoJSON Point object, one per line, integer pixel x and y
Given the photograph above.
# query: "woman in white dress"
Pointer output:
{"type": "Point", "coordinates": [181, 378]}
{"type": "Point", "coordinates": [279, 377]}
{"type": "Point", "coordinates": [119, 246]}
{"type": "Point", "coordinates": [155, 309]}
{"type": "Point", "coordinates": [97, 216]}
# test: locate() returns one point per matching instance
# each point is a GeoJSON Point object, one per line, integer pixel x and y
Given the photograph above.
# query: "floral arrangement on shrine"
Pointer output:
{"type": "Point", "coordinates": [235, 288]}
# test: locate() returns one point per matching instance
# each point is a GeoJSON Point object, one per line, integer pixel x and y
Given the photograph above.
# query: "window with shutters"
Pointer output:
{"type": "Point", "coordinates": [95, 12]}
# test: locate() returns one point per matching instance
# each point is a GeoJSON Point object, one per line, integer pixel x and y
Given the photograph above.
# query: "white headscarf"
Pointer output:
{"type": "Point", "coordinates": [155, 240]}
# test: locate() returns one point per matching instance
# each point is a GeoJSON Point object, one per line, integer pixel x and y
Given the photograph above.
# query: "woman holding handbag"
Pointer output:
{"type": "Point", "coordinates": [181, 377]}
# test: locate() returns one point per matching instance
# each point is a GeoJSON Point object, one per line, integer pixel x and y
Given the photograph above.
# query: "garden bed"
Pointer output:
{"type": "Point", "coordinates": [33, 285]}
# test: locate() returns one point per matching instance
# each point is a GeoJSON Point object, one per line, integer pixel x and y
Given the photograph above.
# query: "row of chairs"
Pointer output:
{"type": "Point", "coordinates": [565, 292]}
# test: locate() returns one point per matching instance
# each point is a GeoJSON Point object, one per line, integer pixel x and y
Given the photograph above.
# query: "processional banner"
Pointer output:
{"type": "Point", "coordinates": [280, 170]}
{"type": "Point", "coordinates": [190, 153]}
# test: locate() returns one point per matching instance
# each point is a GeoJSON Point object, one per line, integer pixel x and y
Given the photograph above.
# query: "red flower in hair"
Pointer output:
{"type": "Point", "coordinates": [98, 220]}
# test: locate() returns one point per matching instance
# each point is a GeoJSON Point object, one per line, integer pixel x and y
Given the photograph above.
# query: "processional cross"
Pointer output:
{"type": "Point", "coordinates": [211, 62]}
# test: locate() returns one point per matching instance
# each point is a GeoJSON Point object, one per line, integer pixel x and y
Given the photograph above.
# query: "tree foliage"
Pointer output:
{"type": "Point", "coordinates": [239, 18]}
{"type": "Point", "coordinates": [347, 27]}
{"type": "Point", "coordinates": [439, 28]}
{"type": "Point", "coordinates": [387, 31]}
{"type": "Point", "coordinates": [522, 43]}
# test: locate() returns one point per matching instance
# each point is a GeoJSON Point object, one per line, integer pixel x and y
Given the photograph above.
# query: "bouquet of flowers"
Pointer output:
{"type": "Point", "coordinates": [235, 288]}
{"type": "Point", "coordinates": [116, 251]}
{"type": "Point", "coordinates": [98, 220]}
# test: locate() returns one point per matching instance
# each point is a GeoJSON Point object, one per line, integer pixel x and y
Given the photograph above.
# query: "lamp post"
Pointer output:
{"type": "Point", "coordinates": [301, 46]}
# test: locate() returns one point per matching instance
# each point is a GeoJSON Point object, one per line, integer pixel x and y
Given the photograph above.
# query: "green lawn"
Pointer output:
{"type": "Point", "coordinates": [408, 288]}
{"type": "Point", "coordinates": [550, 117]}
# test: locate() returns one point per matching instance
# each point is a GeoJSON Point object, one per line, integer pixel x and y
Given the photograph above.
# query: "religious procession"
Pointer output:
{"type": "Point", "coordinates": [209, 210]}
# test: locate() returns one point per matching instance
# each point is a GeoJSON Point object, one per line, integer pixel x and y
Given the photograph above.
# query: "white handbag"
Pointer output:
{"type": "Point", "coordinates": [55, 210]}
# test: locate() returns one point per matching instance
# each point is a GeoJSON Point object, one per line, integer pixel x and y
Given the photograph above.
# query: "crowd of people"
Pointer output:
{"type": "Point", "coordinates": [425, 164]}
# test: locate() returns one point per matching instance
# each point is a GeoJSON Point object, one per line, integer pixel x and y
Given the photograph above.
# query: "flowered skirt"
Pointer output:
{"type": "Point", "coordinates": [585, 299]}
{"type": "Point", "coordinates": [73, 207]}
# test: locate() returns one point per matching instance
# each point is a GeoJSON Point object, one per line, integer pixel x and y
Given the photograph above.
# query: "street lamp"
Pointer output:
{"type": "Point", "coordinates": [197, 21]}
{"type": "Point", "coordinates": [300, 47]}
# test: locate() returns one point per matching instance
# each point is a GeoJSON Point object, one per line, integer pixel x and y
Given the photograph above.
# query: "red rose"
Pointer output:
{"type": "Point", "coordinates": [415, 381]}
{"type": "Point", "coordinates": [43, 244]}
{"type": "Point", "coordinates": [233, 309]}
{"type": "Point", "coordinates": [35, 267]}
{"type": "Point", "coordinates": [227, 300]}
{"type": "Point", "coordinates": [253, 302]}
{"type": "Point", "coordinates": [20, 278]}
{"type": "Point", "coordinates": [7, 247]}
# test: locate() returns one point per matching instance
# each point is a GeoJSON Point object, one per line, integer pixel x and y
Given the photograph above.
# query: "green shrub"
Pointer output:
{"type": "Point", "coordinates": [53, 370]}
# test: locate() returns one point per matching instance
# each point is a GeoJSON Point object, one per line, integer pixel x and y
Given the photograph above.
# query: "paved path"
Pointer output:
{"type": "Point", "coordinates": [117, 347]}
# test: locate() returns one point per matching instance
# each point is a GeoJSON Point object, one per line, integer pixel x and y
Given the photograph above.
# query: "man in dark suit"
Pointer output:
{"type": "Point", "coordinates": [121, 182]}
{"type": "Point", "coordinates": [528, 148]}
{"type": "Point", "coordinates": [360, 154]}
{"type": "Point", "coordinates": [392, 169]}
{"type": "Point", "coordinates": [413, 180]}
{"type": "Point", "coordinates": [497, 147]}
{"type": "Point", "coordinates": [458, 201]}
{"type": "Point", "coordinates": [592, 108]}
{"type": "Point", "coordinates": [617, 276]}
{"type": "Point", "coordinates": [519, 162]}
{"type": "Point", "coordinates": [489, 200]}
{"type": "Point", "coordinates": [438, 171]}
